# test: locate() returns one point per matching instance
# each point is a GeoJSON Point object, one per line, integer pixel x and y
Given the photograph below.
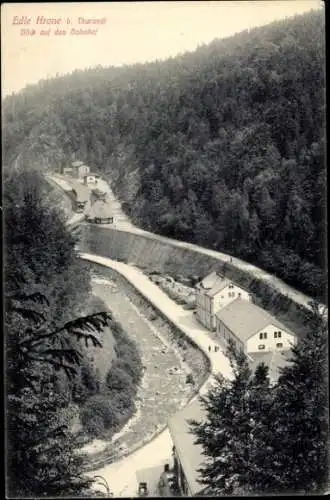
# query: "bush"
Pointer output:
{"type": "Point", "coordinates": [98, 411]}
{"type": "Point", "coordinates": [94, 425]}
{"type": "Point", "coordinates": [118, 380]}
{"type": "Point", "coordinates": [131, 366]}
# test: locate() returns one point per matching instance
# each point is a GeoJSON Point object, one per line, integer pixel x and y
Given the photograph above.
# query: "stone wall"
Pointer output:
{"type": "Point", "coordinates": [153, 253]}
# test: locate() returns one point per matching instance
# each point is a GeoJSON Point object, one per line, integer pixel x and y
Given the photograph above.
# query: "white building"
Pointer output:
{"type": "Point", "coordinates": [79, 169]}
{"type": "Point", "coordinates": [90, 178]}
{"type": "Point", "coordinates": [213, 293]}
{"type": "Point", "coordinates": [252, 328]}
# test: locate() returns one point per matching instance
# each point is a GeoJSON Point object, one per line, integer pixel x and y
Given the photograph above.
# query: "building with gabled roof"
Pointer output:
{"type": "Point", "coordinates": [252, 328]}
{"type": "Point", "coordinates": [213, 293]}
{"type": "Point", "coordinates": [188, 456]}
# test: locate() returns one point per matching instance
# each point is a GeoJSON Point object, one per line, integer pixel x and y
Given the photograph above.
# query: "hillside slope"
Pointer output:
{"type": "Point", "coordinates": [223, 147]}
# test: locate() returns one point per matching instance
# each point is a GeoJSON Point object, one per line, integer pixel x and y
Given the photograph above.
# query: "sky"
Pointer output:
{"type": "Point", "coordinates": [130, 32]}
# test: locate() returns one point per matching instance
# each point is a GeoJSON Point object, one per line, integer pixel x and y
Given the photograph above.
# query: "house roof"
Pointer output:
{"type": "Point", "coordinates": [244, 319]}
{"type": "Point", "coordinates": [273, 359]}
{"type": "Point", "coordinates": [77, 163]}
{"type": "Point", "coordinates": [190, 454]}
{"type": "Point", "coordinates": [213, 284]}
{"type": "Point", "coordinates": [100, 209]}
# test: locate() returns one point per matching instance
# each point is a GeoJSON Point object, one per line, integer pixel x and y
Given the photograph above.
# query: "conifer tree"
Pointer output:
{"type": "Point", "coordinates": [231, 427]}
{"type": "Point", "coordinates": [300, 417]}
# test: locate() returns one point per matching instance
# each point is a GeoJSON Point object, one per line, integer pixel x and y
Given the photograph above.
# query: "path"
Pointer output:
{"type": "Point", "coordinates": [67, 183]}
{"type": "Point", "coordinates": [121, 476]}
{"type": "Point", "coordinates": [122, 223]}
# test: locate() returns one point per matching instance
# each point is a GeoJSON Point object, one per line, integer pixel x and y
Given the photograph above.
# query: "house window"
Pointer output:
{"type": "Point", "coordinates": [279, 345]}
{"type": "Point", "coordinates": [261, 346]}
{"type": "Point", "coordinates": [261, 336]}
{"type": "Point", "coordinates": [279, 334]}
{"type": "Point", "coordinates": [239, 294]}
{"type": "Point", "coordinates": [231, 286]}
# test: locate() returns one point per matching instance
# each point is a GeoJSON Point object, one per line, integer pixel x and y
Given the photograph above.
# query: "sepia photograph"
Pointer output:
{"type": "Point", "coordinates": [164, 249]}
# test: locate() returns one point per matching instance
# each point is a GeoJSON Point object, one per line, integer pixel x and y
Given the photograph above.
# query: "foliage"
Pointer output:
{"type": "Point", "coordinates": [300, 426]}
{"type": "Point", "coordinates": [223, 146]}
{"type": "Point", "coordinates": [98, 413]}
{"type": "Point", "coordinates": [113, 404]}
{"type": "Point", "coordinates": [43, 345]}
{"type": "Point", "coordinates": [119, 381]}
{"type": "Point", "coordinates": [262, 439]}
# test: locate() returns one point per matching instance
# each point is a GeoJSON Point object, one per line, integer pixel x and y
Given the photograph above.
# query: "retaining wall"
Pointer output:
{"type": "Point", "coordinates": [151, 252]}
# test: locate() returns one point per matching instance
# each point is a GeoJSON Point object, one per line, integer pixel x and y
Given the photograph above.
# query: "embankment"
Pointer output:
{"type": "Point", "coordinates": [153, 253]}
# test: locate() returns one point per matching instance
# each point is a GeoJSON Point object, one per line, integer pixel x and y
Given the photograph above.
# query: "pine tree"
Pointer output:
{"type": "Point", "coordinates": [300, 425]}
{"type": "Point", "coordinates": [39, 441]}
{"type": "Point", "coordinates": [262, 439]}
{"type": "Point", "coordinates": [231, 428]}
{"type": "Point", "coordinates": [43, 293]}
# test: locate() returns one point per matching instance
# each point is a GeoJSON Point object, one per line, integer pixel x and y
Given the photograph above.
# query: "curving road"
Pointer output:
{"type": "Point", "coordinates": [121, 476]}
{"type": "Point", "coordinates": [122, 223]}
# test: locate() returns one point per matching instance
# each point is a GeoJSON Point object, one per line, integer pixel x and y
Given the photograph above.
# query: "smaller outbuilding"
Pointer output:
{"type": "Point", "coordinates": [67, 170]}
{"type": "Point", "coordinates": [91, 178]}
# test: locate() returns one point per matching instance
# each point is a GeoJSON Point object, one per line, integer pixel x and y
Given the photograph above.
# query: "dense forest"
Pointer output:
{"type": "Point", "coordinates": [223, 147]}
{"type": "Point", "coordinates": [53, 334]}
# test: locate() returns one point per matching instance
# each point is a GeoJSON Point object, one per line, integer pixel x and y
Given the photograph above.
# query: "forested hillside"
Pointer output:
{"type": "Point", "coordinates": [62, 351]}
{"type": "Point", "coordinates": [223, 147]}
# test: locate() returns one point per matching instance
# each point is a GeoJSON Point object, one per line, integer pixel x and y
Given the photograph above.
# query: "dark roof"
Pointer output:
{"type": "Point", "coordinates": [273, 359]}
{"type": "Point", "coordinates": [244, 319]}
{"type": "Point", "coordinates": [190, 454]}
